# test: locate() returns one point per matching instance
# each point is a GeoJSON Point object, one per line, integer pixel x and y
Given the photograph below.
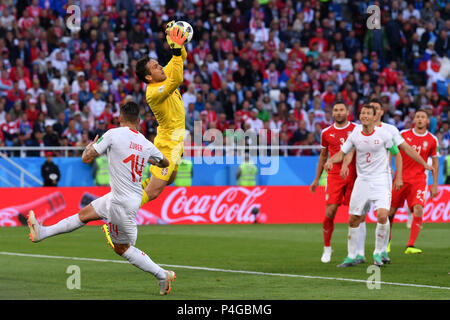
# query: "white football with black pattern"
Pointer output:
{"type": "Point", "coordinates": [187, 28]}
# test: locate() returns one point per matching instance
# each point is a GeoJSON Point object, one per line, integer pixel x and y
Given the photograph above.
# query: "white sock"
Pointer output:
{"type": "Point", "coordinates": [381, 232]}
{"type": "Point", "coordinates": [388, 231]}
{"type": "Point", "coordinates": [142, 261]}
{"type": "Point", "coordinates": [65, 225]}
{"type": "Point", "coordinates": [362, 239]}
{"type": "Point", "coordinates": [352, 242]}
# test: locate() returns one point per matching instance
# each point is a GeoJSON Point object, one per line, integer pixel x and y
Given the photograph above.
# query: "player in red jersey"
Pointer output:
{"type": "Point", "coordinates": [415, 187]}
{"type": "Point", "coordinates": [338, 190]}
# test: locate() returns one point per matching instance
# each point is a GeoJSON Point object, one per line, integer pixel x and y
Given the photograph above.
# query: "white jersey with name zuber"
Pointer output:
{"type": "Point", "coordinates": [128, 152]}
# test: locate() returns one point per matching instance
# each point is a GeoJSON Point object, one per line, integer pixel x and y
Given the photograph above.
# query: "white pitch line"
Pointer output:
{"type": "Point", "coordinates": [228, 270]}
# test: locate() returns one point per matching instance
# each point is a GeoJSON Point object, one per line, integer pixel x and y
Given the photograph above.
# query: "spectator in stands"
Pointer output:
{"type": "Point", "coordinates": [15, 94]}
{"type": "Point", "coordinates": [442, 44]}
{"type": "Point", "coordinates": [2, 110]}
{"type": "Point", "coordinates": [406, 105]}
{"type": "Point", "coordinates": [189, 96]}
{"type": "Point", "coordinates": [72, 133]}
{"type": "Point", "coordinates": [118, 55]}
{"type": "Point", "coordinates": [85, 140]}
{"type": "Point", "coordinates": [50, 138]}
{"type": "Point", "coordinates": [300, 134]}
{"type": "Point", "coordinates": [24, 125]}
{"type": "Point", "coordinates": [96, 104]}
{"type": "Point", "coordinates": [255, 124]}
{"type": "Point", "coordinates": [37, 141]}
{"type": "Point", "coordinates": [21, 141]}
{"type": "Point", "coordinates": [57, 104]}
{"type": "Point", "coordinates": [272, 54]}
{"type": "Point", "coordinates": [16, 111]}
{"type": "Point", "coordinates": [192, 115]}
{"type": "Point", "coordinates": [433, 120]}
{"type": "Point", "coordinates": [5, 82]}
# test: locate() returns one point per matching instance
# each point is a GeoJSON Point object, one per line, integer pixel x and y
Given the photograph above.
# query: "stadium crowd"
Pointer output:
{"type": "Point", "coordinates": [267, 64]}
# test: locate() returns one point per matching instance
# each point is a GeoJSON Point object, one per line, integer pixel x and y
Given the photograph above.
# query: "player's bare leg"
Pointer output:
{"type": "Point", "coordinates": [381, 234]}
{"type": "Point", "coordinates": [328, 227]}
{"type": "Point", "coordinates": [172, 178]}
{"type": "Point", "coordinates": [352, 242]}
{"type": "Point", "coordinates": [415, 229]}
{"type": "Point", "coordinates": [155, 186]}
{"type": "Point", "coordinates": [69, 224]}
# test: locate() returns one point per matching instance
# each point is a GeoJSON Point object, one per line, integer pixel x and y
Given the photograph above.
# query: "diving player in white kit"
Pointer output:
{"type": "Point", "coordinates": [128, 152]}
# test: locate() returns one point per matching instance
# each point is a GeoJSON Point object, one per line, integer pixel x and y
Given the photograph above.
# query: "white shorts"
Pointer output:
{"type": "Point", "coordinates": [365, 192]}
{"type": "Point", "coordinates": [121, 219]}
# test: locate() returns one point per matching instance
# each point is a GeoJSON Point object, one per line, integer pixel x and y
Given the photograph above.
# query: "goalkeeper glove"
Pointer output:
{"type": "Point", "coordinates": [177, 37]}
{"type": "Point", "coordinates": [168, 27]}
{"type": "Point", "coordinates": [167, 31]}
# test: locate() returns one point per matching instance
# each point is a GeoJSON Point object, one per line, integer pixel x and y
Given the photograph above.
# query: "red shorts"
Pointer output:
{"type": "Point", "coordinates": [338, 191]}
{"type": "Point", "coordinates": [414, 192]}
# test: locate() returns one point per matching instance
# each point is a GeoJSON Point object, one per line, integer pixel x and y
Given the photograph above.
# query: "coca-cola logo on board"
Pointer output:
{"type": "Point", "coordinates": [232, 205]}
{"type": "Point", "coordinates": [437, 208]}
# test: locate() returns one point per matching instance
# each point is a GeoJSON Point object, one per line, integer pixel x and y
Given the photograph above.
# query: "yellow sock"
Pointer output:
{"type": "Point", "coordinates": [145, 198]}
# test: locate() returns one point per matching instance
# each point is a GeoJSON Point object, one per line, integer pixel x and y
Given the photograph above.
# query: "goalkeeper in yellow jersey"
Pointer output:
{"type": "Point", "coordinates": [165, 101]}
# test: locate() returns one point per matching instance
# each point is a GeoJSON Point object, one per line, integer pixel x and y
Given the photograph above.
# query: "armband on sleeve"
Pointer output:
{"type": "Point", "coordinates": [394, 150]}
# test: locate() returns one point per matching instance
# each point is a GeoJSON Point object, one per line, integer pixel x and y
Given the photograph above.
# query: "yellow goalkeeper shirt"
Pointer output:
{"type": "Point", "coordinates": [166, 103]}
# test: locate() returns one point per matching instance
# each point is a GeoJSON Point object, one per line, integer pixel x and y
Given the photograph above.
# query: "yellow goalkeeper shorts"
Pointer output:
{"type": "Point", "coordinates": [172, 151]}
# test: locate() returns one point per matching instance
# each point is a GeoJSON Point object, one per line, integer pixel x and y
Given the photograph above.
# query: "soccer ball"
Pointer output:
{"type": "Point", "coordinates": [187, 28]}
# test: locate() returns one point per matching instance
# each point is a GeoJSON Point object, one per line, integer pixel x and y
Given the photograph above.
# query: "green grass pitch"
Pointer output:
{"type": "Point", "coordinates": [284, 259]}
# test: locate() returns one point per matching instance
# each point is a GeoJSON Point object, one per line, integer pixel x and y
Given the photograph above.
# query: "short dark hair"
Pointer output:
{"type": "Point", "coordinates": [368, 106]}
{"type": "Point", "coordinates": [376, 101]}
{"type": "Point", "coordinates": [424, 111]}
{"type": "Point", "coordinates": [130, 111]}
{"type": "Point", "coordinates": [141, 69]}
{"type": "Point", "coordinates": [340, 102]}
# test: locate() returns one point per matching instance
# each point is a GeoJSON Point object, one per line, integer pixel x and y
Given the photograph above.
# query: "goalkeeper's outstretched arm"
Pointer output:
{"type": "Point", "coordinates": [174, 70]}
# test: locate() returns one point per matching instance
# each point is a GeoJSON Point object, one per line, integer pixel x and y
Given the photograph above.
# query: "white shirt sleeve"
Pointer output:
{"type": "Point", "coordinates": [349, 143]}
{"type": "Point", "coordinates": [103, 143]}
{"type": "Point", "coordinates": [155, 154]}
{"type": "Point", "coordinates": [388, 140]}
{"type": "Point", "coordinates": [398, 139]}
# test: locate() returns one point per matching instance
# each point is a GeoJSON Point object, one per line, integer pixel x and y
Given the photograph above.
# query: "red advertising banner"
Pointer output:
{"type": "Point", "coordinates": [198, 205]}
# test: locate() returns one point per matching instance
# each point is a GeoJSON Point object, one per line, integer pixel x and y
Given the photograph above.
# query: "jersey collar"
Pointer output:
{"type": "Point", "coordinates": [337, 128]}
{"type": "Point", "coordinates": [418, 134]}
{"type": "Point", "coordinates": [368, 134]}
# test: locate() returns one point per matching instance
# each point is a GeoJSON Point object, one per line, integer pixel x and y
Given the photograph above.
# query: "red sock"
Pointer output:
{"type": "Point", "coordinates": [415, 229]}
{"type": "Point", "coordinates": [328, 227]}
